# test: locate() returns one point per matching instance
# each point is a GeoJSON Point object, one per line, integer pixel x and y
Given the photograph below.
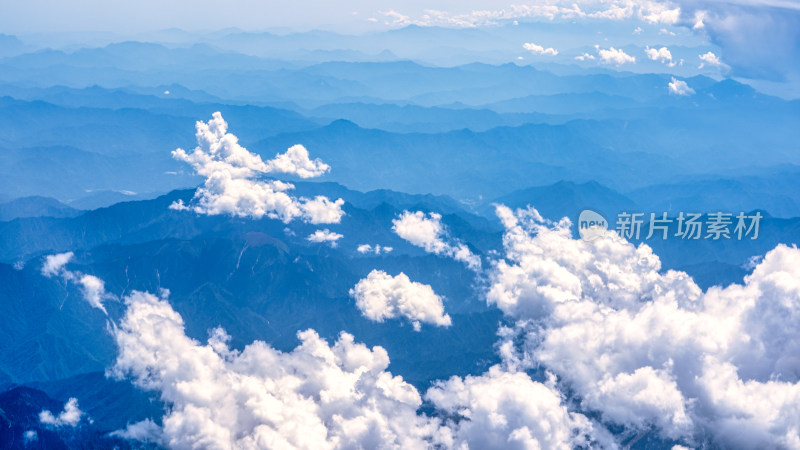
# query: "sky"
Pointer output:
{"type": "Point", "coordinates": [759, 39]}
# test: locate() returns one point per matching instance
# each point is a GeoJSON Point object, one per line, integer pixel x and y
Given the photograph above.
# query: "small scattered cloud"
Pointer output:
{"type": "Point", "coordinates": [615, 56]}
{"type": "Point", "coordinates": [709, 58]}
{"type": "Point", "coordinates": [30, 436]}
{"type": "Point", "coordinates": [638, 30]}
{"type": "Point", "coordinates": [539, 50]}
{"type": "Point", "coordinates": [69, 417]}
{"type": "Point", "coordinates": [381, 296]}
{"type": "Point", "coordinates": [92, 288]}
{"type": "Point", "coordinates": [375, 249]}
{"type": "Point", "coordinates": [54, 264]}
{"type": "Point", "coordinates": [325, 236]}
{"type": "Point", "coordinates": [144, 431]}
{"type": "Point", "coordinates": [662, 54]}
{"type": "Point", "coordinates": [428, 232]}
{"type": "Point", "coordinates": [679, 87]}
{"type": "Point", "coordinates": [585, 57]}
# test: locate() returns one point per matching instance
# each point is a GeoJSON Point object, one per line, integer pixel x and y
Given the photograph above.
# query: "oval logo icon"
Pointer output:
{"type": "Point", "coordinates": [591, 225]}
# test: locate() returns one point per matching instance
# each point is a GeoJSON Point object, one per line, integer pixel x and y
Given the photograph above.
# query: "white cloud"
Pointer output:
{"type": "Point", "coordinates": [584, 57]}
{"type": "Point", "coordinates": [70, 416]}
{"type": "Point", "coordinates": [381, 296]}
{"type": "Point", "coordinates": [94, 291]}
{"type": "Point", "coordinates": [326, 235]}
{"type": "Point", "coordinates": [617, 10]}
{"type": "Point", "coordinates": [318, 396]}
{"type": "Point", "coordinates": [646, 349]}
{"type": "Point", "coordinates": [144, 431]}
{"type": "Point", "coordinates": [539, 50]}
{"type": "Point", "coordinates": [615, 56]}
{"type": "Point", "coordinates": [296, 161]}
{"type": "Point", "coordinates": [54, 264]}
{"type": "Point", "coordinates": [92, 288]}
{"type": "Point", "coordinates": [231, 185]}
{"type": "Point", "coordinates": [638, 30]}
{"type": "Point", "coordinates": [503, 410]}
{"type": "Point", "coordinates": [660, 12]}
{"type": "Point", "coordinates": [709, 58]}
{"type": "Point", "coordinates": [679, 87]}
{"type": "Point", "coordinates": [322, 396]}
{"type": "Point", "coordinates": [30, 436]}
{"type": "Point", "coordinates": [662, 54]}
{"type": "Point", "coordinates": [429, 233]}
{"type": "Point", "coordinates": [376, 249]}
{"type": "Point", "coordinates": [699, 17]}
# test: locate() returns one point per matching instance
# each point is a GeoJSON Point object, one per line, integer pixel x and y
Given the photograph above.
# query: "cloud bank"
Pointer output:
{"type": "Point", "coordinates": [318, 396]}
{"type": "Point", "coordinates": [650, 350]}
{"type": "Point", "coordinates": [322, 396]}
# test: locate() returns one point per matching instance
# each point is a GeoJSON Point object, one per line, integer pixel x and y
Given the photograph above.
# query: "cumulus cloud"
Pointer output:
{"type": "Point", "coordinates": [325, 236]}
{"type": "Point", "coordinates": [381, 296]}
{"type": "Point", "coordinates": [659, 12]}
{"type": "Point", "coordinates": [69, 417]}
{"type": "Point", "coordinates": [428, 232]}
{"type": "Point", "coordinates": [231, 179]}
{"type": "Point", "coordinates": [501, 409]}
{"type": "Point", "coordinates": [662, 54]}
{"type": "Point", "coordinates": [679, 87]}
{"type": "Point", "coordinates": [317, 396]}
{"type": "Point", "coordinates": [376, 249]}
{"type": "Point", "coordinates": [584, 57]}
{"type": "Point", "coordinates": [296, 162]}
{"type": "Point", "coordinates": [92, 288]}
{"type": "Point", "coordinates": [709, 58]}
{"type": "Point", "coordinates": [539, 50]}
{"type": "Point", "coordinates": [322, 396]}
{"type": "Point", "coordinates": [615, 56]}
{"type": "Point", "coordinates": [650, 350]}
